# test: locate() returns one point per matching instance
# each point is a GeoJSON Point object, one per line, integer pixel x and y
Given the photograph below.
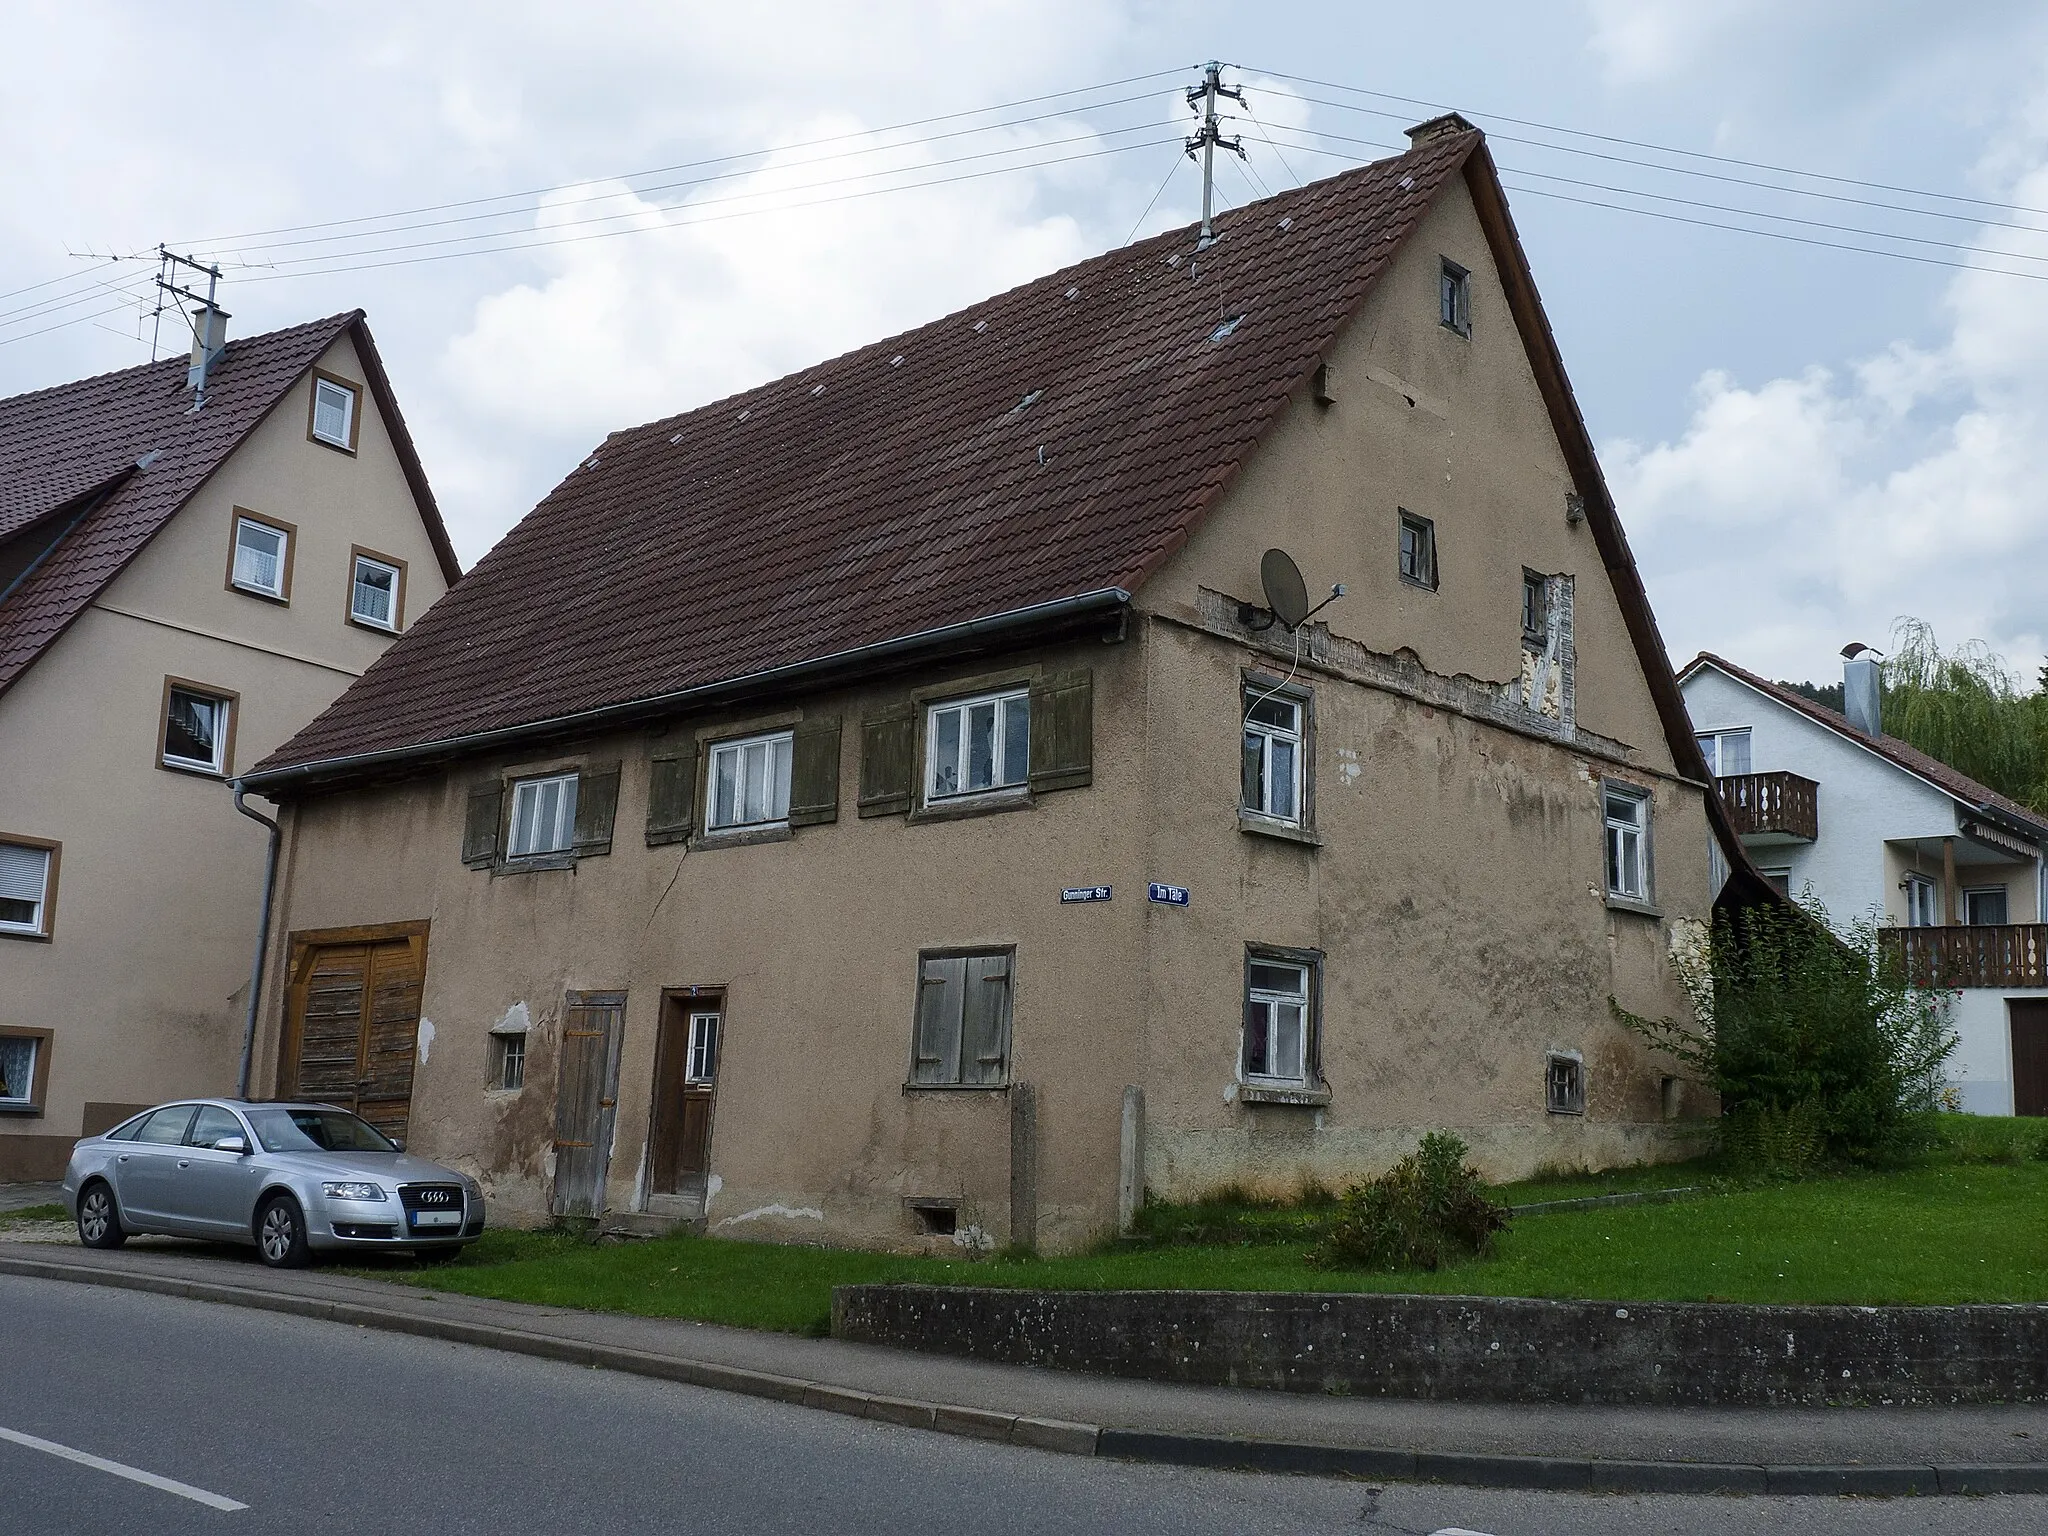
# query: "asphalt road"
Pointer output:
{"type": "Point", "coordinates": [317, 1427]}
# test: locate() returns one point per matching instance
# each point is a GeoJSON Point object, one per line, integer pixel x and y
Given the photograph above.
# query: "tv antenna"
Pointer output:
{"type": "Point", "coordinates": [1202, 98]}
{"type": "Point", "coordinates": [209, 326]}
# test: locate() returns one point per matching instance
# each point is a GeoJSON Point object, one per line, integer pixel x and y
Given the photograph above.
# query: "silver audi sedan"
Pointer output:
{"type": "Point", "coordinates": [295, 1180]}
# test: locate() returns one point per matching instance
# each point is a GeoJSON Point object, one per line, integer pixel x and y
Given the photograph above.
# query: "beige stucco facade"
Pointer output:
{"type": "Point", "coordinates": [142, 979]}
{"type": "Point", "coordinates": [1450, 883]}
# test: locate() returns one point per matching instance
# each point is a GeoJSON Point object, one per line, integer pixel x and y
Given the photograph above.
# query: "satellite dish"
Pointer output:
{"type": "Point", "coordinates": [1286, 592]}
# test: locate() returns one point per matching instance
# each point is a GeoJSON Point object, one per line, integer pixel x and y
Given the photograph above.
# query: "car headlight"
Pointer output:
{"type": "Point", "coordinates": [352, 1191]}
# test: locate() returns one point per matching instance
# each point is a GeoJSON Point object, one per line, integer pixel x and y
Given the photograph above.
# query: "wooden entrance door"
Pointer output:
{"type": "Point", "coordinates": [586, 1100]}
{"type": "Point", "coordinates": [685, 1089]}
{"type": "Point", "coordinates": [352, 1018]}
{"type": "Point", "coordinates": [2028, 1019]}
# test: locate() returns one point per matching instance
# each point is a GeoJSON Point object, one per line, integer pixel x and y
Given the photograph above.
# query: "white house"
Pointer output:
{"type": "Point", "coordinates": [1830, 806]}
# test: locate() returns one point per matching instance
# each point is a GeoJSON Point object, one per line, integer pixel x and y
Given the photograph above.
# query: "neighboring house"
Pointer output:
{"type": "Point", "coordinates": [183, 585]}
{"type": "Point", "coordinates": [881, 807]}
{"type": "Point", "coordinates": [1832, 808]}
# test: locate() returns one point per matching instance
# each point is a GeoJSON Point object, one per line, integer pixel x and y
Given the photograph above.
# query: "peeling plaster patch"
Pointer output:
{"type": "Point", "coordinates": [1230, 1093]}
{"type": "Point", "coordinates": [426, 1038]}
{"type": "Point", "coordinates": [974, 1238]}
{"type": "Point", "coordinates": [712, 1186]}
{"type": "Point", "coordinates": [791, 1213]}
{"type": "Point", "coordinates": [517, 1021]}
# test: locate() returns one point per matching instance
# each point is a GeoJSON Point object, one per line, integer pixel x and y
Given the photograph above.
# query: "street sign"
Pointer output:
{"type": "Point", "coordinates": [1084, 893]}
{"type": "Point", "coordinates": [1167, 895]}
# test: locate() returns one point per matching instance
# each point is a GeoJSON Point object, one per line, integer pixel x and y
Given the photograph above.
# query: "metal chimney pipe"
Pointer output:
{"type": "Point", "coordinates": [1862, 695]}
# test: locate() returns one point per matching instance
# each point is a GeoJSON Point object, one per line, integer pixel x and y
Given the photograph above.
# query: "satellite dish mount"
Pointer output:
{"type": "Point", "coordinates": [1286, 595]}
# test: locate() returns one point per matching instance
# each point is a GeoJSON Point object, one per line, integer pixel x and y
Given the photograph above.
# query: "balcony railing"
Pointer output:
{"type": "Point", "coordinates": [1772, 805]}
{"type": "Point", "coordinates": [1989, 955]}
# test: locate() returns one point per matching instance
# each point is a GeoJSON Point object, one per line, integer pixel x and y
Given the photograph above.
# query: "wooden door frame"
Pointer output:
{"type": "Point", "coordinates": [301, 946]}
{"type": "Point", "coordinates": [686, 1000]}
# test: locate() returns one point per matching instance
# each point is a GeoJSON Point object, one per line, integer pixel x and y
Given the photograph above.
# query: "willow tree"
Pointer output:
{"type": "Point", "coordinates": [1964, 707]}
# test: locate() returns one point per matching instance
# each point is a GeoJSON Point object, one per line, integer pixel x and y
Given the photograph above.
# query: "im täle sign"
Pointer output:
{"type": "Point", "coordinates": [1167, 895]}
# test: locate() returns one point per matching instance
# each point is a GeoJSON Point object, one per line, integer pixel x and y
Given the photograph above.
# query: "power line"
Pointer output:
{"type": "Point", "coordinates": [1156, 195]}
{"type": "Point", "coordinates": [68, 277]}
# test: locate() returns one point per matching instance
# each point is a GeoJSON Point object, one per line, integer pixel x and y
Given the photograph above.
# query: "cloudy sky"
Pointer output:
{"type": "Point", "coordinates": [567, 219]}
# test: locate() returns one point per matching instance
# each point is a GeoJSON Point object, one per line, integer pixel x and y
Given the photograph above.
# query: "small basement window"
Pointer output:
{"type": "Point", "coordinates": [749, 783]}
{"type": "Point", "coordinates": [1454, 297]}
{"type": "Point", "coordinates": [974, 746]}
{"type": "Point", "coordinates": [262, 562]}
{"type": "Point", "coordinates": [543, 816]}
{"type": "Point", "coordinates": [1418, 551]}
{"type": "Point", "coordinates": [936, 1218]}
{"type": "Point", "coordinates": [374, 591]}
{"type": "Point", "coordinates": [507, 1071]}
{"type": "Point", "coordinates": [334, 413]}
{"type": "Point", "coordinates": [1564, 1085]}
{"type": "Point", "coordinates": [195, 729]}
{"type": "Point", "coordinates": [26, 871]}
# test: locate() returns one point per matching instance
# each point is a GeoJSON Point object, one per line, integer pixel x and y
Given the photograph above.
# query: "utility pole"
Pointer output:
{"type": "Point", "coordinates": [209, 327]}
{"type": "Point", "coordinates": [1202, 99]}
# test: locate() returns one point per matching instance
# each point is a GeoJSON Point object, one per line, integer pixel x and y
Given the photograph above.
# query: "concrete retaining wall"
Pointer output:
{"type": "Point", "coordinates": [1477, 1349]}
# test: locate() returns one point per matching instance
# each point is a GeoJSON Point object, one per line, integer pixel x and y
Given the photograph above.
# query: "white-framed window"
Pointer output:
{"type": "Point", "coordinates": [507, 1070]}
{"type": "Point", "coordinates": [1984, 906]}
{"type": "Point", "coordinates": [195, 729]}
{"type": "Point", "coordinates": [543, 816]}
{"type": "Point", "coordinates": [1727, 752]}
{"type": "Point", "coordinates": [1779, 880]}
{"type": "Point", "coordinates": [373, 592]}
{"type": "Point", "coordinates": [334, 412]}
{"type": "Point", "coordinates": [1564, 1084]}
{"type": "Point", "coordinates": [974, 746]}
{"type": "Point", "coordinates": [1920, 909]}
{"type": "Point", "coordinates": [20, 1055]}
{"type": "Point", "coordinates": [1628, 842]}
{"type": "Point", "coordinates": [702, 1066]}
{"type": "Point", "coordinates": [1454, 298]}
{"type": "Point", "coordinates": [1276, 1020]}
{"type": "Point", "coordinates": [1273, 756]}
{"type": "Point", "coordinates": [749, 783]}
{"type": "Point", "coordinates": [261, 555]}
{"type": "Point", "coordinates": [25, 888]}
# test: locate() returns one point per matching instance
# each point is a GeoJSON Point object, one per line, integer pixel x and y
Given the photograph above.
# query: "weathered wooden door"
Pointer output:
{"type": "Point", "coordinates": [586, 1099]}
{"type": "Point", "coordinates": [685, 1089]}
{"type": "Point", "coordinates": [2029, 1022]}
{"type": "Point", "coordinates": [352, 1016]}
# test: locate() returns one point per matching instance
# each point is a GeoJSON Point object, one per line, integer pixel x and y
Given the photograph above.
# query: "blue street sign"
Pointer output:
{"type": "Point", "coordinates": [1084, 893]}
{"type": "Point", "coordinates": [1170, 895]}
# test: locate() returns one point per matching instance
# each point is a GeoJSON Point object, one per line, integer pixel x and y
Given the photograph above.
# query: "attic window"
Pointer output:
{"type": "Point", "coordinates": [1226, 327]}
{"type": "Point", "coordinates": [1454, 296]}
{"type": "Point", "coordinates": [334, 413]}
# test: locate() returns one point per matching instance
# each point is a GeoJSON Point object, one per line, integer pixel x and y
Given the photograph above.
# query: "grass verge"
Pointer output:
{"type": "Point", "coordinates": [28, 1213]}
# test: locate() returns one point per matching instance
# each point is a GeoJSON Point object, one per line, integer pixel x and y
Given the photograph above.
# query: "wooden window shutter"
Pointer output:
{"type": "Point", "coordinates": [985, 1020]}
{"type": "Point", "coordinates": [1063, 731]}
{"type": "Point", "coordinates": [480, 826]}
{"type": "Point", "coordinates": [597, 802]}
{"type": "Point", "coordinates": [671, 796]}
{"type": "Point", "coordinates": [888, 746]}
{"type": "Point", "coordinates": [940, 986]}
{"type": "Point", "coordinates": [814, 773]}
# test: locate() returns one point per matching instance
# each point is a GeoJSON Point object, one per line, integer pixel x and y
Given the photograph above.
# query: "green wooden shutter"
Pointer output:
{"type": "Point", "coordinates": [939, 996]}
{"type": "Point", "coordinates": [814, 773]}
{"type": "Point", "coordinates": [597, 801]}
{"type": "Point", "coordinates": [480, 826]}
{"type": "Point", "coordinates": [671, 795]}
{"type": "Point", "coordinates": [985, 1020]}
{"type": "Point", "coordinates": [1063, 731]}
{"type": "Point", "coordinates": [888, 746]}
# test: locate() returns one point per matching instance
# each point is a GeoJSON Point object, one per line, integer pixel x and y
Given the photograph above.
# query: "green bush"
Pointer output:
{"type": "Point", "coordinates": [1813, 1039]}
{"type": "Point", "coordinates": [1428, 1209]}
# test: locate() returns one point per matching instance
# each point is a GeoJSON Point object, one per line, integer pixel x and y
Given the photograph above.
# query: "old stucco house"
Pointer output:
{"type": "Point", "coordinates": [884, 807]}
{"type": "Point", "coordinates": [185, 582]}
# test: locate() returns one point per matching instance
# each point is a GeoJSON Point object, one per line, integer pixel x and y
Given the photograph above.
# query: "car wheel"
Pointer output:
{"type": "Point", "coordinates": [437, 1255]}
{"type": "Point", "coordinates": [99, 1221]}
{"type": "Point", "coordinates": [281, 1234]}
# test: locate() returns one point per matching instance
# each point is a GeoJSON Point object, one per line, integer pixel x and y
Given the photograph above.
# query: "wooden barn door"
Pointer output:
{"type": "Point", "coordinates": [586, 1099]}
{"type": "Point", "coordinates": [352, 1015]}
{"type": "Point", "coordinates": [2029, 1022]}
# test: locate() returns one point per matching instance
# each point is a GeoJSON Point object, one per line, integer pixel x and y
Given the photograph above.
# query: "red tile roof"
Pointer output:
{"type": "Point", "coordinates": [79, 449]}
{"type": "Point", "coordinates": [1058, 439]}
{"type": "Point", "coordinates": [1902, 754]}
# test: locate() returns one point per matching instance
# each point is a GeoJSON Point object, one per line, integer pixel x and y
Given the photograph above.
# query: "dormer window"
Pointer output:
{"type": "Point", "coordinates": [334, 412]}
{"type": "Point", "coordinates": [1454, 293]}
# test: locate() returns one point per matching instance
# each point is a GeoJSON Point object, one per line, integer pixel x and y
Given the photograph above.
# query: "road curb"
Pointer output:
{"type": "Point", "coordinates": [1167, 1447]}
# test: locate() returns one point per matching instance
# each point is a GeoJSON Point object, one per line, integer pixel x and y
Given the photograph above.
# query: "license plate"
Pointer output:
{"type": "Point", "coordinates": [437, 1218]}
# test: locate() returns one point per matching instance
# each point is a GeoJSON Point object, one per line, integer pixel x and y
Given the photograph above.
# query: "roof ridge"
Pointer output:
{"type": "Point", "coordinates": [177, 363]}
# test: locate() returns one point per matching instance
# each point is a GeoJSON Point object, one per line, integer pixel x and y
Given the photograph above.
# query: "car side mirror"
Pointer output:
{"type": "Point", "coordinates": [398, 1142]}
{"type": "Point", "coordinates": [238, 1145]}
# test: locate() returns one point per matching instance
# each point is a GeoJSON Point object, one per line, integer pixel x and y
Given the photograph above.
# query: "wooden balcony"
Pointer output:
{"type": "Point", "coordinates": [1779, 807]}
{"type": "Point", "coordinates": [1991, 955]}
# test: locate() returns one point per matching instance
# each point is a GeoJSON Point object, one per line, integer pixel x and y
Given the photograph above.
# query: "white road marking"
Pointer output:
{"type": "Point", "coordinates": [1456, 1530]}
{"type": "Point", "coordinates": [133, 1474]}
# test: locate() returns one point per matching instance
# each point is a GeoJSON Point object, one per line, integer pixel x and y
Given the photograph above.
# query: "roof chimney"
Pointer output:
{"type": "Point", "coordinates": [1439, 127]}
{"type": "Point", "coordinates": [1861, 694]}
{"type": "Point", "coordinates": [209, 340]}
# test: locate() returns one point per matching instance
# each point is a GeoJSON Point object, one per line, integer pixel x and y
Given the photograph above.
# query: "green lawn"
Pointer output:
{"type": "Point", "coordinates": [29, 1213]}
{"type": "Point", "coordinates": [1952, 1232]}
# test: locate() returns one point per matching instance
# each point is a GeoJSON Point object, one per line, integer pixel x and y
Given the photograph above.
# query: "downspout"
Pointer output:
{"type": "Point", "coordinates": [262, 939]}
